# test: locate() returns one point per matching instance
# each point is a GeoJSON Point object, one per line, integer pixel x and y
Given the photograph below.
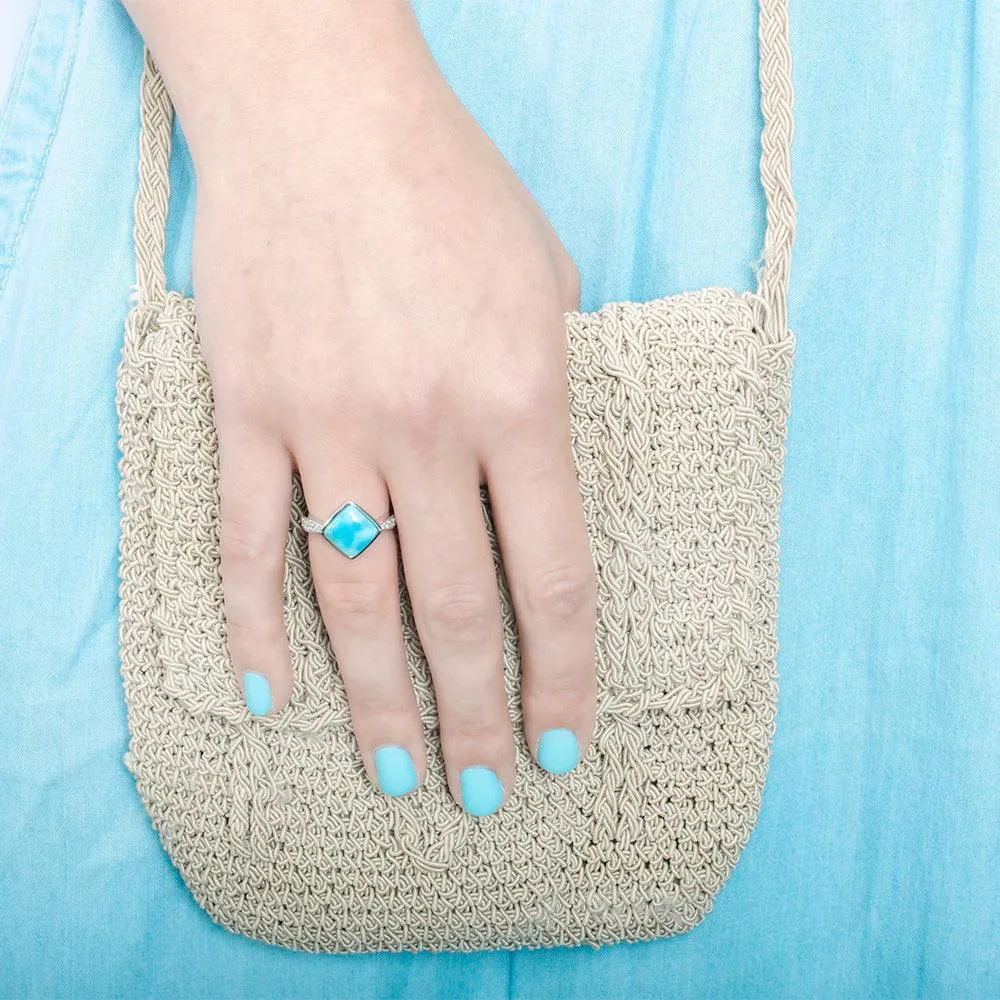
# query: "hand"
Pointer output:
{"type": "Point", "coordinates": [380, 304]}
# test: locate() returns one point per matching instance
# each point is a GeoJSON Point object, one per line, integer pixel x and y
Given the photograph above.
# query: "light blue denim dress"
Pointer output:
{"type": "Point", "coordinates": [873, 871]}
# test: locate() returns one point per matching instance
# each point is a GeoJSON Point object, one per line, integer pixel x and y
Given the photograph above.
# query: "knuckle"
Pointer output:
{"type": "Point", "coordinates": [461, 614]}
{"type": "Point", "coordinates": [357, 603]}
{"type": "Point", "coordinates": [562, 689]}
{"type": "Point", "coordinates": [564, 593]}
{"type": "Point", "coordinates": [383, 706]}
{"type": "Point", "coordinates": [234, 385]}
{"type": "Point", "coordinates": [247, 636]}
{"type": "Point", "coordinates": [478, 730]}
{"type": "Point", "coordinates": [528, 398]}
{"type": "Point", "coordinates": [419, 410]}
{"type": "Point", "coordinates": [244, 542]}
{"type": "Point", "coordinates": [326, 394]}
{"type": "Point", "coordinates": [243, 396]}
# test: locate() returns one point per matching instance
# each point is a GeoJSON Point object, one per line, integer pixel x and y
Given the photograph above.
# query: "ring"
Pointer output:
{"type": "Point", "coordinates": [351, 529]}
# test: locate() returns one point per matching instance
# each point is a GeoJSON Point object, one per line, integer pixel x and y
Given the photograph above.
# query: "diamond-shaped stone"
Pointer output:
{"type": "Point", "coordinates": [351, 530]}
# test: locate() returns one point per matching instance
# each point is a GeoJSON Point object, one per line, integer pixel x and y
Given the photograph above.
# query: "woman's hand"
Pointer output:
{"type": "Point", "coordinates": [380, 304]}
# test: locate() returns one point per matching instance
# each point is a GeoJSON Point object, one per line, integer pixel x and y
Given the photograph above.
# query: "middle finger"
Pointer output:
{"type": "Point", "coordinates": [454, 593]}
{"type": "Point", "coordinates": [359, 599]}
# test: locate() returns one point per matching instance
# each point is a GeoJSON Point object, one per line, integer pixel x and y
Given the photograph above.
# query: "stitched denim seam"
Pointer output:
{"type": "Point", "coordinates": [16, 76]}
{"type": "Point", "coordinates": [34, 103]}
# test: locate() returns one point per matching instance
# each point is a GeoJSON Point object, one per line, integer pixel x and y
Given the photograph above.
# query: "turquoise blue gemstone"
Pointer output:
{"type": "Point", "coordinates": [351, 530]}
{"type": "Point", "coordinates": [257, 692]}
{"type": "Point", "coordinates": [396, 773]}
{"type": "Point", "coordinates": [558, 751]}
{"type": "Point", "coordinates": [482, 792]}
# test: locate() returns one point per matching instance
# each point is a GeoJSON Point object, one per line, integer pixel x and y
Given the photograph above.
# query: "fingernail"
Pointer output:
{"type": "Point", "coordinates": [558, 751]}
{"type": "Point", "coordinates": [257, 692]}
{"type": "Point", "coordinates": [482, 792]}
{"type": "Point", "coordinates": [396, 773]}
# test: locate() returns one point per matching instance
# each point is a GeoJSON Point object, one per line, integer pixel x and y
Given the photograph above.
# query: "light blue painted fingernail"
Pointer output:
{"type": "Point", "coordinates": [257, 692]}
{"type": "Point", "coordinates": [558, 751]}
{"type": "Point", "coordinates": [482, 792]}
{"type": "Point", "coordinates": [396, 773]}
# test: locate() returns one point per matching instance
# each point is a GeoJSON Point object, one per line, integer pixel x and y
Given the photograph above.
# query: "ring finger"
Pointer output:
{"type": "Point", "coordinates": [359, 599]}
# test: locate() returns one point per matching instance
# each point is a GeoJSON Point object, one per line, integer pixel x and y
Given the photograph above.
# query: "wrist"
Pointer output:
{"type": "Point", "coordinates": [288, 75]}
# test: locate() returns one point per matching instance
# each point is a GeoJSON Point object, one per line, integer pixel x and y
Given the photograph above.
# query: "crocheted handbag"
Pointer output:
{"type": "Point", "coordinates": [678, 408]}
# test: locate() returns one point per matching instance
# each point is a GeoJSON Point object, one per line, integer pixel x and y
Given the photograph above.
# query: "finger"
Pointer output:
{"type": "Point", "coordinates": [453, 589]}
{"type": "Point", "coordinates": [255, 491]}
{"type": "Point", "coordinates": [359, 600]}
{"type": "Point", "coordinates": [542, 532]}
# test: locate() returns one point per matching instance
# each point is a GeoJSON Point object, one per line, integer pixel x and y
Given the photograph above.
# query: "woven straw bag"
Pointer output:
{"type": "Point", "coordinates": [678, 413]}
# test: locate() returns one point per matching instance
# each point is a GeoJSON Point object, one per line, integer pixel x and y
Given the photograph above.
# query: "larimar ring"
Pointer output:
{"type": "Point", "coordinates": [351, 529]}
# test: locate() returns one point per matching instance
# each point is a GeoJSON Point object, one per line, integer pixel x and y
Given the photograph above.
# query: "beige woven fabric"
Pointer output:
{"type": "Point", "coordinates": [678, 423]}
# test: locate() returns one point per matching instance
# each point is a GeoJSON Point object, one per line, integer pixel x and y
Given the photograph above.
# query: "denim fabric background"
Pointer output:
{"type": "Point", "coordinates": [873, 871]}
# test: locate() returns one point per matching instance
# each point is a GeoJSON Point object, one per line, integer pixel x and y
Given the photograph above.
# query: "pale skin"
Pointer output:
{"type": "Point", "coordinates": [346, 197]}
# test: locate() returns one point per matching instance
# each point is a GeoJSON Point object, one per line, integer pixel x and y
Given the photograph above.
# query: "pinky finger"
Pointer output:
{"type": "Point", "coordinates": [255, 488]}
